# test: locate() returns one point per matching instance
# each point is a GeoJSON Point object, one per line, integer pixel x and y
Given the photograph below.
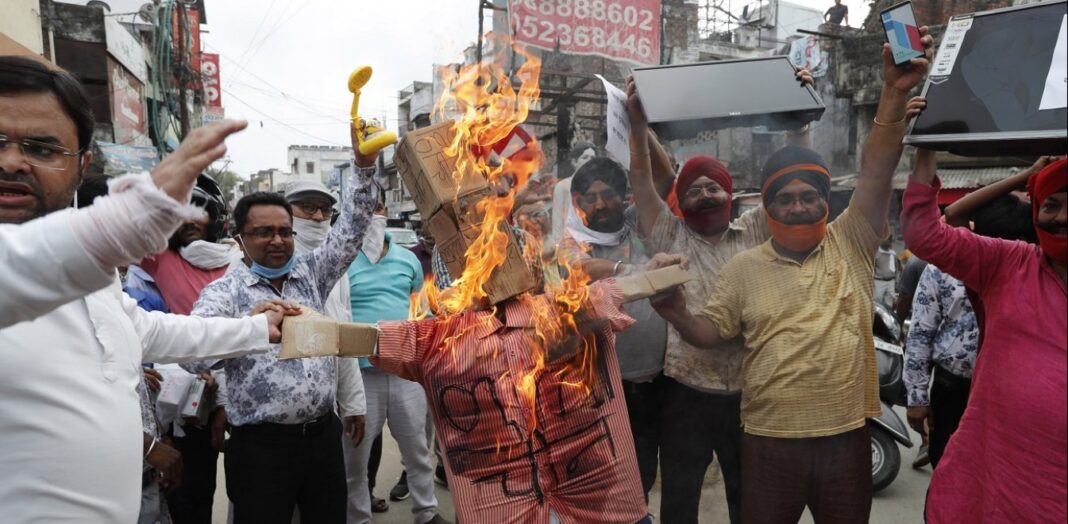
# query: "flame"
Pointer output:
{"type": "Point", "coordinates": [486, 107]}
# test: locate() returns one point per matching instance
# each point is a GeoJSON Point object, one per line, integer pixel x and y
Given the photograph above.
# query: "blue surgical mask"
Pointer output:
{"type": "Point", "coordinates": [270, 273]}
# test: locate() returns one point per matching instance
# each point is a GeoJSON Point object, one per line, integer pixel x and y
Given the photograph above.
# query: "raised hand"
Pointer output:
{"type": "Point", "coordinates": [804, 76]}
{"type": "Point", "coordinates": [914, 107]}
{"type": "Point", "coordinates": [178, 172]}
{"type": "Point", "coordinates": [907, 76]}
{"type": "Point", "coordinates": [638, 122]}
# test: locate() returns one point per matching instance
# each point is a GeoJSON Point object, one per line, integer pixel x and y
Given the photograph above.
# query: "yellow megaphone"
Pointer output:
{"type": "Point", "coordinates": [372, 137]}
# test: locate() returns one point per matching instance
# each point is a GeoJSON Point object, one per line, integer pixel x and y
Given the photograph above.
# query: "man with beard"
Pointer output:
{"type": "Point", "coordinates": [1007, 459]}
{"type": "Point", "coordinates": [608, 233]}
{"type": "Point", "coordinates": [803, 303]}
{"type": "Point", "coordinates": [72, 342]}
{"type": "Point", "coordinates": [196, 256]}
{"type": "Point", "coordinates": [581, 152]}
{"type": "Point", "coordinates": [701, 391]}
{"type": "Point", "coordinates": [284, 451]}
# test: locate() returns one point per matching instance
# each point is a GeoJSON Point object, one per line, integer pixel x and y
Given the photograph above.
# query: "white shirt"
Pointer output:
{"type": "Point", "coordinates": [70, 362]}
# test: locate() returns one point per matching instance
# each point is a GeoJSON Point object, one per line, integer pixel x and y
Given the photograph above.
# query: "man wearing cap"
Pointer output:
{"type": "Point", "coordinates": [803, 303]}
{"type": "Point", "coordinates": [1006, 462]}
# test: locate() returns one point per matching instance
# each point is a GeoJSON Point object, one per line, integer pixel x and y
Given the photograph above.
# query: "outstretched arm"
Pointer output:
{"type": "Point", "coordinates": [646, 197]}
{"type": "Point", "coordinates": [698, 330]}
{"type": "Point", "coordinates": [662, 168]}
{"type": "Point", "coordinates": [961, 211]}
{"type": "Point", "coordinates": [882, 152]}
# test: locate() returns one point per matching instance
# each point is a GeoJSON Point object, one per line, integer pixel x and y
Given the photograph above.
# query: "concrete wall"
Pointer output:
{"type": "Point", "coordinates": [323, 159]}
{"type": "Point", "coordinates": [22, 23]}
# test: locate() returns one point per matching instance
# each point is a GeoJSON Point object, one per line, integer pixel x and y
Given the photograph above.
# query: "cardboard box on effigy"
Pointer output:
{"type": "Point", "coordinates": [313, 335]}
{"type": "Point", "coordinates": [450, 212]}
{"type": "Point", "coordinates": [428, 171]}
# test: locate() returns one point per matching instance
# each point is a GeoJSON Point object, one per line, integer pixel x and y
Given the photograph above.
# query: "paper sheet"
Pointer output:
{"type": "Point", "coordinates": [1055, 95]}
{"type": "Point", "coordinates": [618, 124]}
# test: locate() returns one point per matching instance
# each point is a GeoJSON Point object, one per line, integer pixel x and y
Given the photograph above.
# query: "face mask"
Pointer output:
{"type": "Point", "coordinates": [374, 239]}
{"type": "Point", "coordinates": [310, 234]}
{"type": "Point", "coordinates": [797, 237]}
{"type": "Point", "coordinates": [709, 222]}
{"type": "Point", "coordinates": [209, 255]}
{"type": "Point", "coordinates": [270, 273]}
{"type": "Point", "coordinates": [1054, 246]}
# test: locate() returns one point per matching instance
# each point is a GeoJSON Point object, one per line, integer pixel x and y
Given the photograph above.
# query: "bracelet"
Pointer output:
{"type": "Point", "coordinates": [615, 268]}
{"type": "Point", "coordinates": [891, 124]}
{"type": "Point", "coordinates": [150, 448]}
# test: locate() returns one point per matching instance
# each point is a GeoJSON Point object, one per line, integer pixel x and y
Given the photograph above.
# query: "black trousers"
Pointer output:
{"type": "Point", "coordinates": [191, 503]}
{"type": "Point", "coordinates": [373, 462]}
{"type": "Point", "coordinates": [949, 397]}
{"type": "Point", "coordinates": [273, 468]}
{"type": "Point", "coordinates": [645, 411]}
{"type": "Point", "coordinates": [696, 427]}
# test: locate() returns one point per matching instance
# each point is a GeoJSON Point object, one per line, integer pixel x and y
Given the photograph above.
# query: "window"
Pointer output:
{"type": "Point", "coordinates": [309, 167]}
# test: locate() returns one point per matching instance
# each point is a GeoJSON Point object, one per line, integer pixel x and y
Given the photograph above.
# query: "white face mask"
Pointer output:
{"type": "Point", "coordinates": [375, 238]}
{"type": "Point", "coordinates": [310, 234]}
{"type": "Point", "coordinates": [210, 255]}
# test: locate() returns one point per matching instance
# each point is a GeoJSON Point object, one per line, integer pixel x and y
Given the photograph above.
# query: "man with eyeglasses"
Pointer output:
{"type": "Point", "coordinates": [72, 342]}
{"type": "Point", "coordinates": [606, 244]}
{"type": "Point", "coordinates": [284, 450]}
{"type": "Point", "coordinates": [803, 304]}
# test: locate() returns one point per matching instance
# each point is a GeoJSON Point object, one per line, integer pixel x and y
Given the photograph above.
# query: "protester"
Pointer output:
{"type": "Point", "coordinates": [382, 280]}
{"type": "Point", "coordinates": [837, 13]}
{"type": "Point", "coordinates": [605, 245]}
{"type": "Point", "coordinates": [579, 154]}
{"type": "Point", "coordinates": [803, 302]}
{"type": "Point", "coordinates": [73, 343]}
{"type": "Point", "coordinates": [702, 389]}
{"type": "Point", "coordinates": [1006, 461]}
{"type": "Point", "coordinates": [284, 451]}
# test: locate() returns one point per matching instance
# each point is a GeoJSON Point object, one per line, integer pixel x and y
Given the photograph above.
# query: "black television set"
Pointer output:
{"type": "Point", "coordinates": [986, 88]}
{"type": "Point", "coordinates": [683, 100]}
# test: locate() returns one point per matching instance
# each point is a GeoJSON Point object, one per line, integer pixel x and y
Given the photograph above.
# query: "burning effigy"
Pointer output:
{"type": "Point", "coordinates": [520, 372]}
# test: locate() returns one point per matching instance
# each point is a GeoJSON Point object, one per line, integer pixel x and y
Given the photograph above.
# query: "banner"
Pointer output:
{"type": "Point", "coordinates": [209, 75]}
{"type": "Point", "coordinates": [805, 52]}
{"type": "Point", "coordinates": [616, 29]}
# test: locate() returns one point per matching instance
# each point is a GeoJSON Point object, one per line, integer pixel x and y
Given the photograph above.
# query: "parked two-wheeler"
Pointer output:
{"type": "Point", "coordinates": [888, 429]}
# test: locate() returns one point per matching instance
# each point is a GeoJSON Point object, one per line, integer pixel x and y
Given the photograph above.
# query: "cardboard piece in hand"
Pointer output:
{"type": "Point", "coordinates": [311, 334]}
{"type": "Point", "coordinates": [652, 283]}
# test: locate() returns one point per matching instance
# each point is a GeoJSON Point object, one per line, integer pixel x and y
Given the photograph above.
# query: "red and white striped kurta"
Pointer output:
{"type": "Point", "coordinates": [577, 460]}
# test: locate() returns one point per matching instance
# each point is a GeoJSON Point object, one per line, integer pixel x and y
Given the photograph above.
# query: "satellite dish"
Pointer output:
{"type": "Point", "coordinates": [99, 4]}
{"type": "Point", "coordinates": [147, 13]}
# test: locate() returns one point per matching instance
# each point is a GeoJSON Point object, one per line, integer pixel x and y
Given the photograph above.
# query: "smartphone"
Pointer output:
{"type": "Point", "coordinates": [902, 32]}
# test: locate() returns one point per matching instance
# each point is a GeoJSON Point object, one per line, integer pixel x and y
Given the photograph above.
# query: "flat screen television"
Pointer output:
{"type": "Point", "coordinates": [987, 92]}
{"type": "Point", "coordinates": [682, 100]}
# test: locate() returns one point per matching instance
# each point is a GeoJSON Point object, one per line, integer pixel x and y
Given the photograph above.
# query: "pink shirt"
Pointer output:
{"type": "Point", "coordinates": [578, 461]}
{"type": "Point", "coordinates": [179, 281]}
{"type": "Point", "coordinates": [1008, 461]}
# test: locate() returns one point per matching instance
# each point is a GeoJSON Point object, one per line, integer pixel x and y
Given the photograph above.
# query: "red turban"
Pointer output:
{"type": "Point", "coordinates": [708, 222]}
{"type": "Point", "coordinates": [1051, 179]}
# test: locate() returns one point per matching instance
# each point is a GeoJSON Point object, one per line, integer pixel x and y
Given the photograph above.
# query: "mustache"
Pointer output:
{"type": "Point", "coordinates": [709, 205]}
{"type": "Point", "coordinates": [22, 178]}
{"type": "Point", "coordinates": [1056, 229]}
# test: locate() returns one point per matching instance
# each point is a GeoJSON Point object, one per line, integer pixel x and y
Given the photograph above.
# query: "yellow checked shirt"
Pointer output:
{"type": "Point", "coordinates": [809, 365]}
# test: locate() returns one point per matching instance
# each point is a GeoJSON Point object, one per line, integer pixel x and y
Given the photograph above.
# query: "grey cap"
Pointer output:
{"type": "Point", "coordinates": [294, 189]}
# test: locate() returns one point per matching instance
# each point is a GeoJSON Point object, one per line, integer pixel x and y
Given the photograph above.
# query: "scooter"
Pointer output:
{"type": "Point", "coordinates": [888, 429]}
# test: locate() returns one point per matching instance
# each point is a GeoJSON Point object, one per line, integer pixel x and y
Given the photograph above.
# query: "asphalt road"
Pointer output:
{"type": "Point", "coordinates": [901, 502]}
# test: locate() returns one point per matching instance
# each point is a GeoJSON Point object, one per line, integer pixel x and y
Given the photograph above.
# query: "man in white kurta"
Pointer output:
{"type": "Point", "coordinates": [71, 343]}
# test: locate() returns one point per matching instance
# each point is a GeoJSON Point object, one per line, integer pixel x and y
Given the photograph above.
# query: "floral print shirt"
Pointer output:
{"type": "Point", "coordinates": [261, 388]}
{"type": "Point", "coordinates": [944, 332]}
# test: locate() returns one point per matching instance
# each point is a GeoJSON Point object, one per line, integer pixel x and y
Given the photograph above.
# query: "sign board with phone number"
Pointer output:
{"type": "Point", "coordinates": [617, 29]}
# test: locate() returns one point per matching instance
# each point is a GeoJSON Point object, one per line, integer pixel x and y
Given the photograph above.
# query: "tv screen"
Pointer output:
{"type": "Point", "coordinates": [683, 100]}
{"type": "Point", "coordinates": [996, 86]}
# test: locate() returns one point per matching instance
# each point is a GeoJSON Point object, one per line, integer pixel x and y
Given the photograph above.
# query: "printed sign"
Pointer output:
{"type": "Point", "coordinates": [950, 48]}
{"type": "Point", "coordinates": [209, 75]}
{"type": "Point", "coordinates": [616, 29]}
{"type": "Point", "coordinates": [618, 124]}
{"type": "Point", "coordinates": [1055, 95]}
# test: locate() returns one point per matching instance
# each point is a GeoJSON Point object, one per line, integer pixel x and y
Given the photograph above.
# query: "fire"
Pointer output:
{"type": "Point", "coordinates": [486, 107]}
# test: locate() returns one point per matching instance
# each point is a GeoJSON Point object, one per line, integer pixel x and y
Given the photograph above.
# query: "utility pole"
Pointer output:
{"type": "Point", "coordinates": [183, 110]}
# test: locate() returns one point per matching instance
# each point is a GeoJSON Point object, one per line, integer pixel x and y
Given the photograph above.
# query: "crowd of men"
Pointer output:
{"type": "Point", "coordinates": [764, 362]}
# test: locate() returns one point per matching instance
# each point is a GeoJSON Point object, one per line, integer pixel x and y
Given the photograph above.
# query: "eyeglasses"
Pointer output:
{"type": "Point", "coordinates": [808, 199]}
{"type": "Point", "coordinates": [268, 233]}
{"type": "Point", "coordinates": [41, 154]}
{"type": "Point", "coordinates": [697, 191]}
{"type": "Point", "coordinates": [608, 195]}
{"type": "Point", "coordinates": [310, 208]}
